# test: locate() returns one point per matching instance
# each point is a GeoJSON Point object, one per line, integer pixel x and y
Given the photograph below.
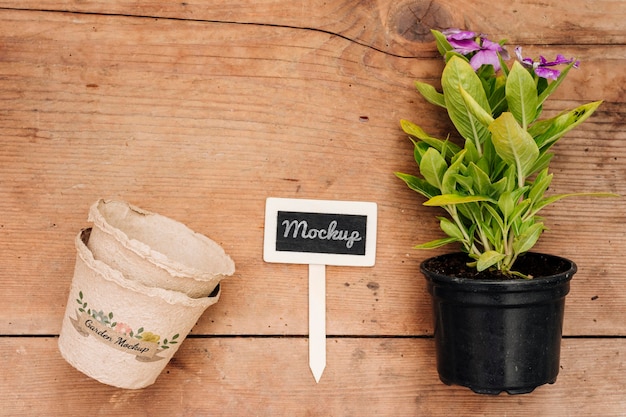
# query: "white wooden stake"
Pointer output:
{"type": "Point", "coordinates": [317, 320]}
{"type": "Point", "coordinates": [319, 233]}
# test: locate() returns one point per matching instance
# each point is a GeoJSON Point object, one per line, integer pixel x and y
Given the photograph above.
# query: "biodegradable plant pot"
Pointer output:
{"type": "Point", "coordinates": [119, 331]}
{"type": "Point", "coordinates": [499, 335]}
{"type": "Point", "coordinates": [155, 250]}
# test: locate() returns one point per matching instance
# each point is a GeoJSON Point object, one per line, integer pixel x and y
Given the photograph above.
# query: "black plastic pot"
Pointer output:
{"type": "Point", "coordinates": [499, 335]}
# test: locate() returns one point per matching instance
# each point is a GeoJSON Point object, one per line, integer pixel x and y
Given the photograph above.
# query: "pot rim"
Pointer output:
{"type": "Point", "coordinates": [107, 273]}
{"type": "Point", "coordinates": [161, 258]}
{"type": "Point", "coordinates": [474, 284]}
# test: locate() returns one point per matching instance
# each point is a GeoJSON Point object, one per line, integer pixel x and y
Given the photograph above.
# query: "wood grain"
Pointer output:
{"type": "Point", "coordinates": [268, 377]}
{"type": "Point", "coordinates": [162, 114]}
{"type": "Point", "coordinates": [398, 27]}
{"type": "Point", "coordinates": [201, 111]}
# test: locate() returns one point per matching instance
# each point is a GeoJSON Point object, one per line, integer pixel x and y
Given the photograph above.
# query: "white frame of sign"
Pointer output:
{"type": "Point", "coordinates": [274, 205]}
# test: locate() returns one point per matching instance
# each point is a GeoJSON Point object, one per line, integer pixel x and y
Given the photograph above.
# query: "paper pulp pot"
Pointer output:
{"type": "Point", "coordinates": [121, 332]}
{"type": "Point", "coordinates": [155, 250]}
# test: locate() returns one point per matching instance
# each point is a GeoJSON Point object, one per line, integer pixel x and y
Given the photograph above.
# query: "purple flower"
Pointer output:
{"type": "Point", "coordinates": [463, 42]}
{"type": "Point", "coordinates": [488, 55]}
{"type": "Point", "coordinates": [485, 53]}
{"type": "Point", "coordinates": [543, 67]}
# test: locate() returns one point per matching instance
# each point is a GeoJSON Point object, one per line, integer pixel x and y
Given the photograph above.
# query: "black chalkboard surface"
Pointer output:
{"type": "Point", "coordinates": [323, 232]}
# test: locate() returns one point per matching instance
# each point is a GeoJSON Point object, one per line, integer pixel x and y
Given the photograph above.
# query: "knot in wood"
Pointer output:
{"type": "Point", "coordinates": [413, 20]}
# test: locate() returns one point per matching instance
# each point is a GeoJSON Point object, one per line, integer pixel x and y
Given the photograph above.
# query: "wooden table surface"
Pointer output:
{"type": "Point", "coordinates": [201, 110]}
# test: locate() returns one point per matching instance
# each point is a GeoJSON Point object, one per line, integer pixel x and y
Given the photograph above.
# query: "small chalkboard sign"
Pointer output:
{"type": "Point", "coordinates": [319, 233]}
{"type": "Point", "coordinates": [324, 232]}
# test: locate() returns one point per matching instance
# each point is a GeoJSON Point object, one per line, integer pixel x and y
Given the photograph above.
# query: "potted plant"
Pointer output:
{"type": "Point", "coordinates": [498, 308]}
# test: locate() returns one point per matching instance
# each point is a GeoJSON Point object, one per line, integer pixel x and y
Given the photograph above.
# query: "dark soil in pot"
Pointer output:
{"type": "Point", "coordinates": [495, 335]}
{"type": "Point", "coordinates": [532, 264]}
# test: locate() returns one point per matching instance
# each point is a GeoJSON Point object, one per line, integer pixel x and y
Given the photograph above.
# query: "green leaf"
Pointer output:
{"type": "Point", "coordinates": [414, 130]}
{"type": "Point", "coordinates": [547, 201]}
{"type": "Point", "coordinates": [539, 186]}
{"type": "Point", "coordinates": [488, 259]}
{"type": "Point", "coordinates": [458, 74]}
{"type": "Point", "coordinates": [547, 132]}
{"type": "Point", "coordinates": [509, 201]}
{"type": "Point", "coordinates": [465, 182]}
{"type": "Point", "coordinates": [450, 228]}
{"type": "Point", "coordinates": [495, 216]}
{"type": "Point", "coordinates": [526, 240]}
{"type": "Point", "coordinates": [477, 111]}
{"type": "Point", "coordinates": [433, 167]}
{"type": "Point", "coordinates": [471, 152]}
{"type": "Point", "coordinates": [521, 95]}
{"type": "Point", "coordinates": [434, 244]}
{"type": "Point", "coordinates": [443, 46]}
{"type": "Point", "coordinates": [453, 199]}
{"type": "Point", "coordinates": [419, 149]}
{"type": "Point", "coordinates": [503, 65]}
{"type": "Point", "coordinates": [519, 209]}
{"type": "Point", "coordinates": [509, 175]}
{"type": "Point", "coordinates": [514, 144]}
{"type": "Point", "coordinates": [481, 181]}
{"type": "Point", "coordinates": [466, 211]}
{"type": "Point", "coordinates": [491, 162]}
{"type": "Point", "coordinates": [543, 162]}
{"type": "Point", "coordinates": [448, 182]}
{"type": "Point", "coordinates": [487, 76]}
{"type": "Point", "coordinates": [497, 99]}
{"type": "Point", "coordinates": [454, 54]}
{"type": "Point", "coordinates": [430, 94]}
{"type": "Point", "coordinates": [506, 204]}
{"type": "Point", "coordinates": [418, 185]}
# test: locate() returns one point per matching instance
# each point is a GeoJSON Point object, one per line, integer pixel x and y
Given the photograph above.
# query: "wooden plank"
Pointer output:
{"type": "Point", "coordinates": [201, 121]}
{"type": "Point", "coordinates": [201, 111]}
{"type": "Point", "coordinates": [270, 376]}
{"type": "Point", "coordinates": [396, 27]}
